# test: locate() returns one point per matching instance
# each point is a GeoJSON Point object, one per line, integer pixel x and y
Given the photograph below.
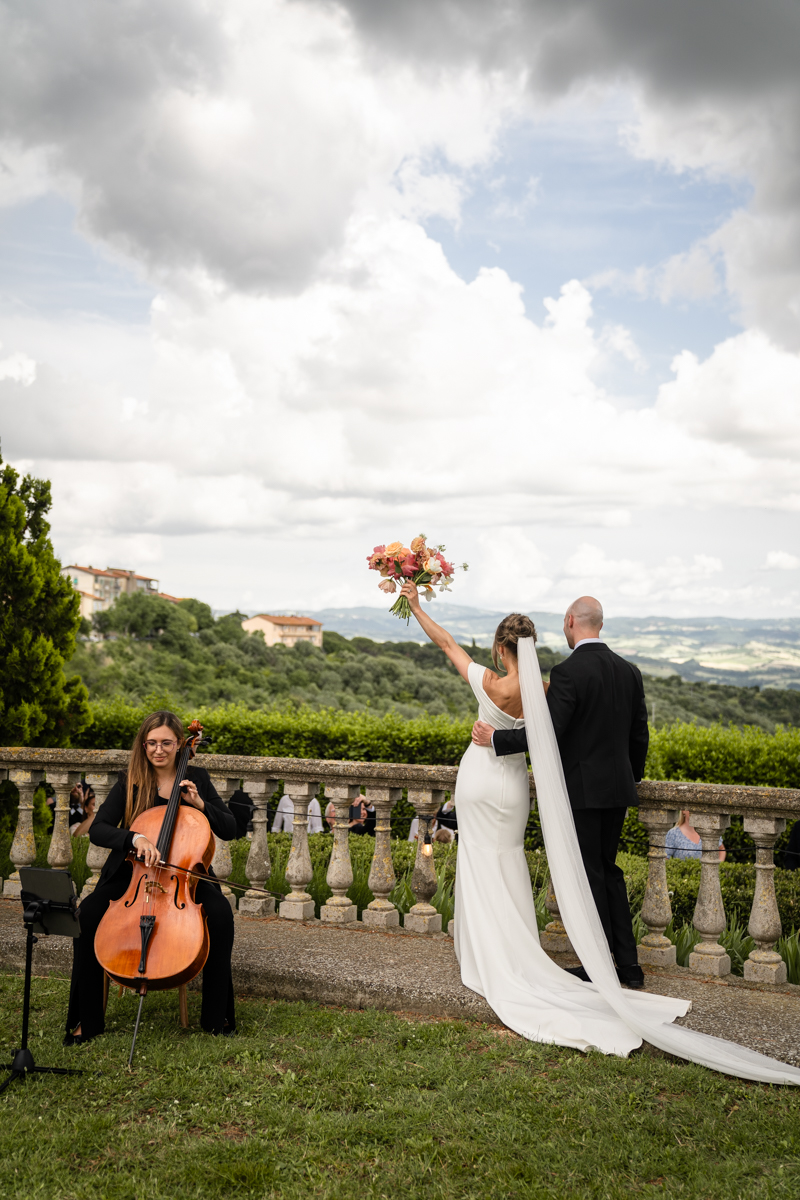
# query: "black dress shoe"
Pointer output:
{"type": "Point", "coordinates": [579, 973]}
{"type": "Point", "coordinates": [631, 976]}
{"type": "Point", "coordinates": [76, 1039]}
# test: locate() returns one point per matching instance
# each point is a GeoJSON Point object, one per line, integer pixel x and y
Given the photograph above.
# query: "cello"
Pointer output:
{"type": "Point", "coordinates": [155, 937]}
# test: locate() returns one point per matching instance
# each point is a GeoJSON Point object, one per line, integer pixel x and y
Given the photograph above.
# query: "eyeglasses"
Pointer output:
{"type": "Point", "coordinates": [152, 746]}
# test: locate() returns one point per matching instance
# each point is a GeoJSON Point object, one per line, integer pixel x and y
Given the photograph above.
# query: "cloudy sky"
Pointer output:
{"type": "Point", "coordinates": [284, 279]}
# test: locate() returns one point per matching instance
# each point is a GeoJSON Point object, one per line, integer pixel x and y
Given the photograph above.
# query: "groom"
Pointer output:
{"type": "Point", "coordinates": [597, 705]}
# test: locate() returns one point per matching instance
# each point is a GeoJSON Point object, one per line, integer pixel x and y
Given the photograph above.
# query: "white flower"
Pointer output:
{"type": "Point", "coordinates": [432, 565]}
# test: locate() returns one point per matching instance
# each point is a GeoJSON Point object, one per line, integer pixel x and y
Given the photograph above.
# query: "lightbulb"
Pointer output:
{"type": "Point", "coordinates": [427, 848]}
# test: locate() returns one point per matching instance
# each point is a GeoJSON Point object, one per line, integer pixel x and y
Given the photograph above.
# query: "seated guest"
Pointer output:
{"type": "Point", "coordinates": [314, 817]}
{"type": "Point", "coordinates": [446, 817]}
{"type": "Point", "coordinates": [445, 835]}
{"type": "Point", "coordinates": [413, 832]}
{"type": "Point", "coordinates": [358, 817]}
{"type": "Point", "coordinates": [791, 855]}
{"type": "Point", "coordinates": [242, 808]}
{"type": "Point", "coordinates": [81, 809]}
{"type": "Point", "coordinates": [284, 817]}
{"type": "Point", "coordinates": [683, 840]}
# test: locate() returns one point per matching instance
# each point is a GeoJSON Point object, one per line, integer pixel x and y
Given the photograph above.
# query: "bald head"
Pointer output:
{"type": "Point", "coordinates": [583, 619]}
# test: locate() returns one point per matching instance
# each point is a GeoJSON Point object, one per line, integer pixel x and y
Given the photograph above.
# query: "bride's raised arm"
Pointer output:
{"type": "Point", "coordinates": [440, 637]}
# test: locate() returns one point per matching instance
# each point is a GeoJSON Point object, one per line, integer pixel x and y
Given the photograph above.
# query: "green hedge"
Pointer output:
{"type": "Point", "coordinates": [712, 754]}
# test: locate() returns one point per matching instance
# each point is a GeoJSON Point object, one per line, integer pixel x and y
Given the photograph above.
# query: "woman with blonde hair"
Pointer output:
{"type": "Point", "coordinates": [496, 934]}
{"type": "Point", "coordinates": [148, 783]}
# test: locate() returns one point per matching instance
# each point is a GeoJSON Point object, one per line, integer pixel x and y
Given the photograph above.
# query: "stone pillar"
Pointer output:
{"type": "Point", "coordinates": [708, 957]}
{"type": "Point", "coordinates": [23, 847]}
{"type": "Point", "coordinates": [381, 913]}
{"type": "Point", "coordinates": [340, 910]}
{"type": "Point", "coordinates": [655, 950]}
{"type": "Point", "coordinates": [764, 965]}
{"type": "Point", "coordinates": [221, 863]}
{"type": "Point", "coordinates": [554, 937]}
{"type": "Point", "coordinates": [59, 856]}
{"type": "Point", "coordinates": [259, 868]}
{"type": "Point", "coordinates": [96, 855]}
{"type": "Point", "coordinates": [423, 917]}
{"type": "Point", "coordinates": [298, 905]}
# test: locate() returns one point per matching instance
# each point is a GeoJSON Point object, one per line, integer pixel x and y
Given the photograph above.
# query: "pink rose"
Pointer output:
{"type": "Point", "coordinates": [409, 565]}
{"type": "Point", "coordinates": [388, 586]}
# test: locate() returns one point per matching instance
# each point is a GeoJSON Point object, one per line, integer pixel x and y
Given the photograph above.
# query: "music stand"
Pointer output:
{"type": "Point", "coordinates": [49, 906]}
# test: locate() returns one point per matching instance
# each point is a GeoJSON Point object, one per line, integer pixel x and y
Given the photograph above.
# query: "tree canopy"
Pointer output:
{"type": "Point", "coordinates": [184, 657]}
{"type": "Point", "coordinates": [39, 619]}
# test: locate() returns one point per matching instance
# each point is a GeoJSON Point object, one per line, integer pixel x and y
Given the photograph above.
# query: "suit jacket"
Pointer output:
{"type": "Point", "coordinates": [597, 705]}
{"type": "Point", "coordinates": [107, 830]}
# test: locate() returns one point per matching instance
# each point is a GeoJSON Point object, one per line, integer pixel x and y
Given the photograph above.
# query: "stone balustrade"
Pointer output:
{"type": "Point", "coordinates": [765, 812]}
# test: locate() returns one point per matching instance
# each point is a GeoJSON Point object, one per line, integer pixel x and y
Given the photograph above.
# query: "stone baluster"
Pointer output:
{"type": "Point", "coordinates": [554, 938]}
{"type": "Point", "coordinates": [423, 917]}
{"type": "Point", "coordinates": [96, 855]}
{"type": "Point", "coordinates": [221, 863]}
{"type": "Point", "coordinates": [298, 905]}
{"type": "Point", "coordinates": [259, 868]}
{"type": "Point", "coordinates": [655, 950]}
{"type": "Point", "coordinates": [23, 847]}
{"type": "Point", "coordinates": [59, 855]}
{"type": "Point", "coordinates": [381, 913]}
{"type": "Point", "coordinates": [765, 965]}
{"type": "Point", "coordinates": [340, 910]}
{"type": "Point", "coordinates": [708, 957]}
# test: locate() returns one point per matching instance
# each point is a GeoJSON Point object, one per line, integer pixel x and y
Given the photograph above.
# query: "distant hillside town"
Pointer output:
{"type": "Point", "coordinates": [98, 589]}
{"type": "Point", "coordinates": [286, 630]}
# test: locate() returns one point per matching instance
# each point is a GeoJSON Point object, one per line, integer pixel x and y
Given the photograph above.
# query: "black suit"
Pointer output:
{"type": "Point", "coordinates": [596, 702]}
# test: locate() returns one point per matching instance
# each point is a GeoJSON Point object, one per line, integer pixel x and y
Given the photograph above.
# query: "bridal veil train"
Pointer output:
{"type": "Point", "coordinates": [496, 936]}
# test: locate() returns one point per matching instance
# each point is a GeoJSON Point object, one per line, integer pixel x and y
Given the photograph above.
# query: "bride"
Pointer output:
{"type": "Point", "coordinates": [496, 935]}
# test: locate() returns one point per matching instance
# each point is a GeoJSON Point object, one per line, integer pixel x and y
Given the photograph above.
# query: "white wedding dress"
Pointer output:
{"type": "Point", "coordinates": [496, 935]}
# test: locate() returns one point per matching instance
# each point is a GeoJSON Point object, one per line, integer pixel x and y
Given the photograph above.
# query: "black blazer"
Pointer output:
{"type": "Point", "coordinates": [107, 830]}
{"type": "Point", "coordinates": [597, 705]}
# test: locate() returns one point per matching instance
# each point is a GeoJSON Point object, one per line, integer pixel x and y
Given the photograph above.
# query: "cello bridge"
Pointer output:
{"type": "Point", "coordinates": [152, 885]}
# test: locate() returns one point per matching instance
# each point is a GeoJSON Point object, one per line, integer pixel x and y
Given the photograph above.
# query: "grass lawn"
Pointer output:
{"type": "Point", "coordinates": [308, 1101]}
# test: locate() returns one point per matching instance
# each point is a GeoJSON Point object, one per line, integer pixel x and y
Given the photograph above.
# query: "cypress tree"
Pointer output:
{"type": "Point", "coordinates": [39, 618]}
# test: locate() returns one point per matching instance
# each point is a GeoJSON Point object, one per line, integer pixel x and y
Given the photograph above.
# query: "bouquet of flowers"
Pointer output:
{"type": "Point", "coordinates": [422, 564]}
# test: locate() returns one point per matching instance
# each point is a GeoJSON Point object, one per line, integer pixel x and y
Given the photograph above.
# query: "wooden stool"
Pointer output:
{"type": "Point", "coordinates": [183, 1003]}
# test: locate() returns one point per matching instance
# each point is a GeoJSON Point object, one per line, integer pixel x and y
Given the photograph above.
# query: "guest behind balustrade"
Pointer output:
{"type": "Point", "coordinates": [81, 809]}
{"type": "Point", "coordinates": [284, 817]}
{"type": "Point", "coordinates": [683, 840]}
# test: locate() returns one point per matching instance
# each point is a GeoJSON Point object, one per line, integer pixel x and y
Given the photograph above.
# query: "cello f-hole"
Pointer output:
{"type": "Point", "coordinates": [175, 897]}
{"type": "Point", "coordinates": [132, 901]}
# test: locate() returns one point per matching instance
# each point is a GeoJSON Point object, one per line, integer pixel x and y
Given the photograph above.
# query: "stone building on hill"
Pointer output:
{"type": "Point", "coordinates": [98, 589]}
{"type": "Point", "coordinates": [286, 631]}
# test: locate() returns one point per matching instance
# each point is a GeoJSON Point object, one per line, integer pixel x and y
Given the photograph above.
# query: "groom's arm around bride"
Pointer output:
{"type": "Point", "coordinates": [597, 706]}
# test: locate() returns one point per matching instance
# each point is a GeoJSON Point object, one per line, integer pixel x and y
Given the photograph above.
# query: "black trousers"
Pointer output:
{"type": "Point", "coordinates": [86, 987]}
{"type": "Point", "coordinates": [599, 832]}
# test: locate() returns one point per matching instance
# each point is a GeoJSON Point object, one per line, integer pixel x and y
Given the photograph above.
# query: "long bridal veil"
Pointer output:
{"type": "Point", "coordinates": [579, 914]}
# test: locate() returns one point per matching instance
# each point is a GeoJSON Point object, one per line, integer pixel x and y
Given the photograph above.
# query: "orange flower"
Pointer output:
{"type": "Point", "coordinates": [395, 550]}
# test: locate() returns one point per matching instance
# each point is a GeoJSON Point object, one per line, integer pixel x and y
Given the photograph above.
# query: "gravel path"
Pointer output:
{"type": "Point", "coordinates": [405, 972]}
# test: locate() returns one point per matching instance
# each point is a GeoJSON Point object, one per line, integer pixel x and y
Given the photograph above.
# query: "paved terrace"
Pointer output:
{"type": "Point", "coordinates": [418, 974]}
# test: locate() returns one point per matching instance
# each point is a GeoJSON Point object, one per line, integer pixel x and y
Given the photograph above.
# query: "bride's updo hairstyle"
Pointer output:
{"type": "Point", "coordinates": [508, 633]}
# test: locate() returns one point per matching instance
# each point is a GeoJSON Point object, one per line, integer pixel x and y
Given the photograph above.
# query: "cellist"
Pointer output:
{"type": "Point", "coordinates": [148, 782]}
